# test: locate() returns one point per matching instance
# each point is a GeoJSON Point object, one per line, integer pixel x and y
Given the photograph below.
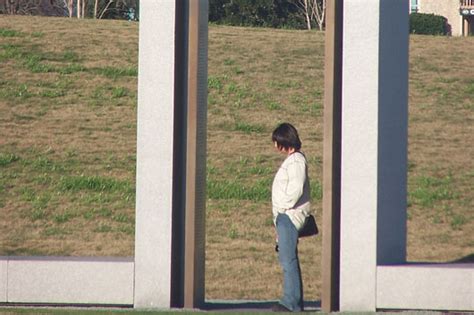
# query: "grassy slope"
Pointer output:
{"type": "Point", "coordinates": [67, 144]}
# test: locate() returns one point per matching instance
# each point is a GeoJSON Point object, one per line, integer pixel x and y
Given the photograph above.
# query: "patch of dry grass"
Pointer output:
{"type": "Point", "coordinates": [68, 136]}
{"type": "Point", "coordinates": [64, 114]}
{"type": "Point", "coordinates": [441, 147]}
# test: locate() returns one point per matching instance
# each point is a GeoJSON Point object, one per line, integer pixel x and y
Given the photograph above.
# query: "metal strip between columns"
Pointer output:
{"type": "Point", "coordinates": [195, 214]}
{"type": "Point", "coordinates": [332, 156]}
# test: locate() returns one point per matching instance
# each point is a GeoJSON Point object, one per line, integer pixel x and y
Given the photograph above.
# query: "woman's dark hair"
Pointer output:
{"type": "Point", "coordinates": [286, 137]}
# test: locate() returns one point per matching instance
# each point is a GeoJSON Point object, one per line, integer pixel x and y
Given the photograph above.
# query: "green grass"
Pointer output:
{"type": "Point", "coordinates": [214, 83]}
{"type": "Point", "coordinates": [228, 189]}
{"type": "Point", "coordinates": [274, 106]}
{"type": "Point", "coordinates": [9, 51]}
{"type": "Point", "coordinates": [37, 34]}
{"type": "Point", "coordinates": [71, 68]}
{"type": "Point", "coordinates": [70, 56]}
{"type": "Point", "coordinates": [94, 183]}
{"type": "Point", "coordinates": [248, 128]}
{"type": "Point", "coordinates": [113, 72]}
{"type": "Point", "coordinates": [5, 32]}
{"type": "Point", "coordinates": [430, 190]}
{"type": "Point", "coordinates": [118, 92]}
{"type": "Point", "coordinates": [37, 60]}
{"type": "Point", "coordinates": [22, 92]}
{"type": "Point", "coordinates": [54, 199]}
{"type": "Point", "coordinates": [8, 158]}
{"type": "Point", "coordinates": [457, 221]}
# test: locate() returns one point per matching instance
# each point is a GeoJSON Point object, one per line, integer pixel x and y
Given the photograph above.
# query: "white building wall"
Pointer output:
{"type": "Point", "coordinates": [447, 8]}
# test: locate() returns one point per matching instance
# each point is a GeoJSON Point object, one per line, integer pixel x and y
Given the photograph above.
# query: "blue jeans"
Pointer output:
{"type": "Point", "coordinates": [288, 256]}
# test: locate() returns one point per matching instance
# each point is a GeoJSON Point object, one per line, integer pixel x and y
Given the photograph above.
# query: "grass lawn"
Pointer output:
{"type": "Point", "coordinates": [68, 100]}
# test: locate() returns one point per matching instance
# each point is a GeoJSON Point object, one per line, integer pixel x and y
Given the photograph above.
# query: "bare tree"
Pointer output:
{"type": "Point", "coordinates": [305, 8]}
{"type": "Point", "coordinates": [84, 5]}
{"type": "Point", "coordinates": [80, 8]}
{"type": "Point", "coordinates": [313, 10]}
{"type": "Point", "coordinates": [101, 15]}
{"type": "Point", "coordinates": [96, 8]}
{"type": "Point", "coordinates": [33, 7]}
{"type": "Point", "coordinates": [318, 12]}
{"type": "Point", "coordinates": [10, 6]}
{"type": "Point", "coordinates": [69, 4]}
{"type": "Point", "coordinates": [73, 8]}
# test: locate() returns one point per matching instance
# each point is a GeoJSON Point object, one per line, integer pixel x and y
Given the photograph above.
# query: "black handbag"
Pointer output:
{"type": "Point", "coordinates": [309, 228]}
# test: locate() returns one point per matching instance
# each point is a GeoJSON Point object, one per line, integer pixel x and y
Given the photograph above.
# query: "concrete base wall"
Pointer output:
{"type": "Point", "coordinates": [3, 280]}
{"type": "Point", "coordinates": [66, 280]}
{"type": "Point", "coordinates": [426, 287]}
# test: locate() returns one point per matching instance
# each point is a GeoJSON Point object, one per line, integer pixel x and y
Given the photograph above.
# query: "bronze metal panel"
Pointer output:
{"type": "Point", "coordinates": [195, 213]}
{"type": "Point", "coordinates": [332, 155]}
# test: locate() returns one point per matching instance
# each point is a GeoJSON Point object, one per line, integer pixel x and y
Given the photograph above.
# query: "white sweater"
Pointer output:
{"type": "Point", "coordinates": [291, 191]}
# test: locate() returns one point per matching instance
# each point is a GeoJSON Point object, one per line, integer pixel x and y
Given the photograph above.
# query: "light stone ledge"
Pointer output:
{"type": "Point", "coordinates": [67, 280]}
{"type": "Point", "coordinates": [426, 287]}
{"type": "Point", "coordinates": [3, 281]}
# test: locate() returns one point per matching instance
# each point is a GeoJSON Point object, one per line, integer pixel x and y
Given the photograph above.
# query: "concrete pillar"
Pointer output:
{"type": "Point", "coordinates": [171, 154]}
{"type": "Point", "coordinates": [155, 149]}
{"type": "Point", "coordinates": [374, 145]}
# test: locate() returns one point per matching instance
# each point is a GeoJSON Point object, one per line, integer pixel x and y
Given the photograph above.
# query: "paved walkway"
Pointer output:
{"type": "Point", "coordinates": [212, 306]}
{"type": "Point", "coordinates": [255, 306]}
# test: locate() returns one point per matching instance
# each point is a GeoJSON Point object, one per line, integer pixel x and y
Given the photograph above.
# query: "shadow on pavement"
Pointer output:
{"type": "Point", "coordinates": [223, 305]}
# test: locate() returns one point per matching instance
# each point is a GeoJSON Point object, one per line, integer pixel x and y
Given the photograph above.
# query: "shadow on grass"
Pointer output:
{"type": "Point", "coordinates": [469, 259]}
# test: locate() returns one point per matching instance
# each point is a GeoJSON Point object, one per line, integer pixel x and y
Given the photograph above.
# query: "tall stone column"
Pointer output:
{"type": "Point", "coordinates": [374, 145]}
{"type": "Point", "coordinates": [171, 153]}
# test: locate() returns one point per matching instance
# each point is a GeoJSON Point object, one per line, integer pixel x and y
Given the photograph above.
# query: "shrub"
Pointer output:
{"type": "Point", "coordinates": [266, 13]}
{"type": "Point", "coordinates": [428, 24]}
